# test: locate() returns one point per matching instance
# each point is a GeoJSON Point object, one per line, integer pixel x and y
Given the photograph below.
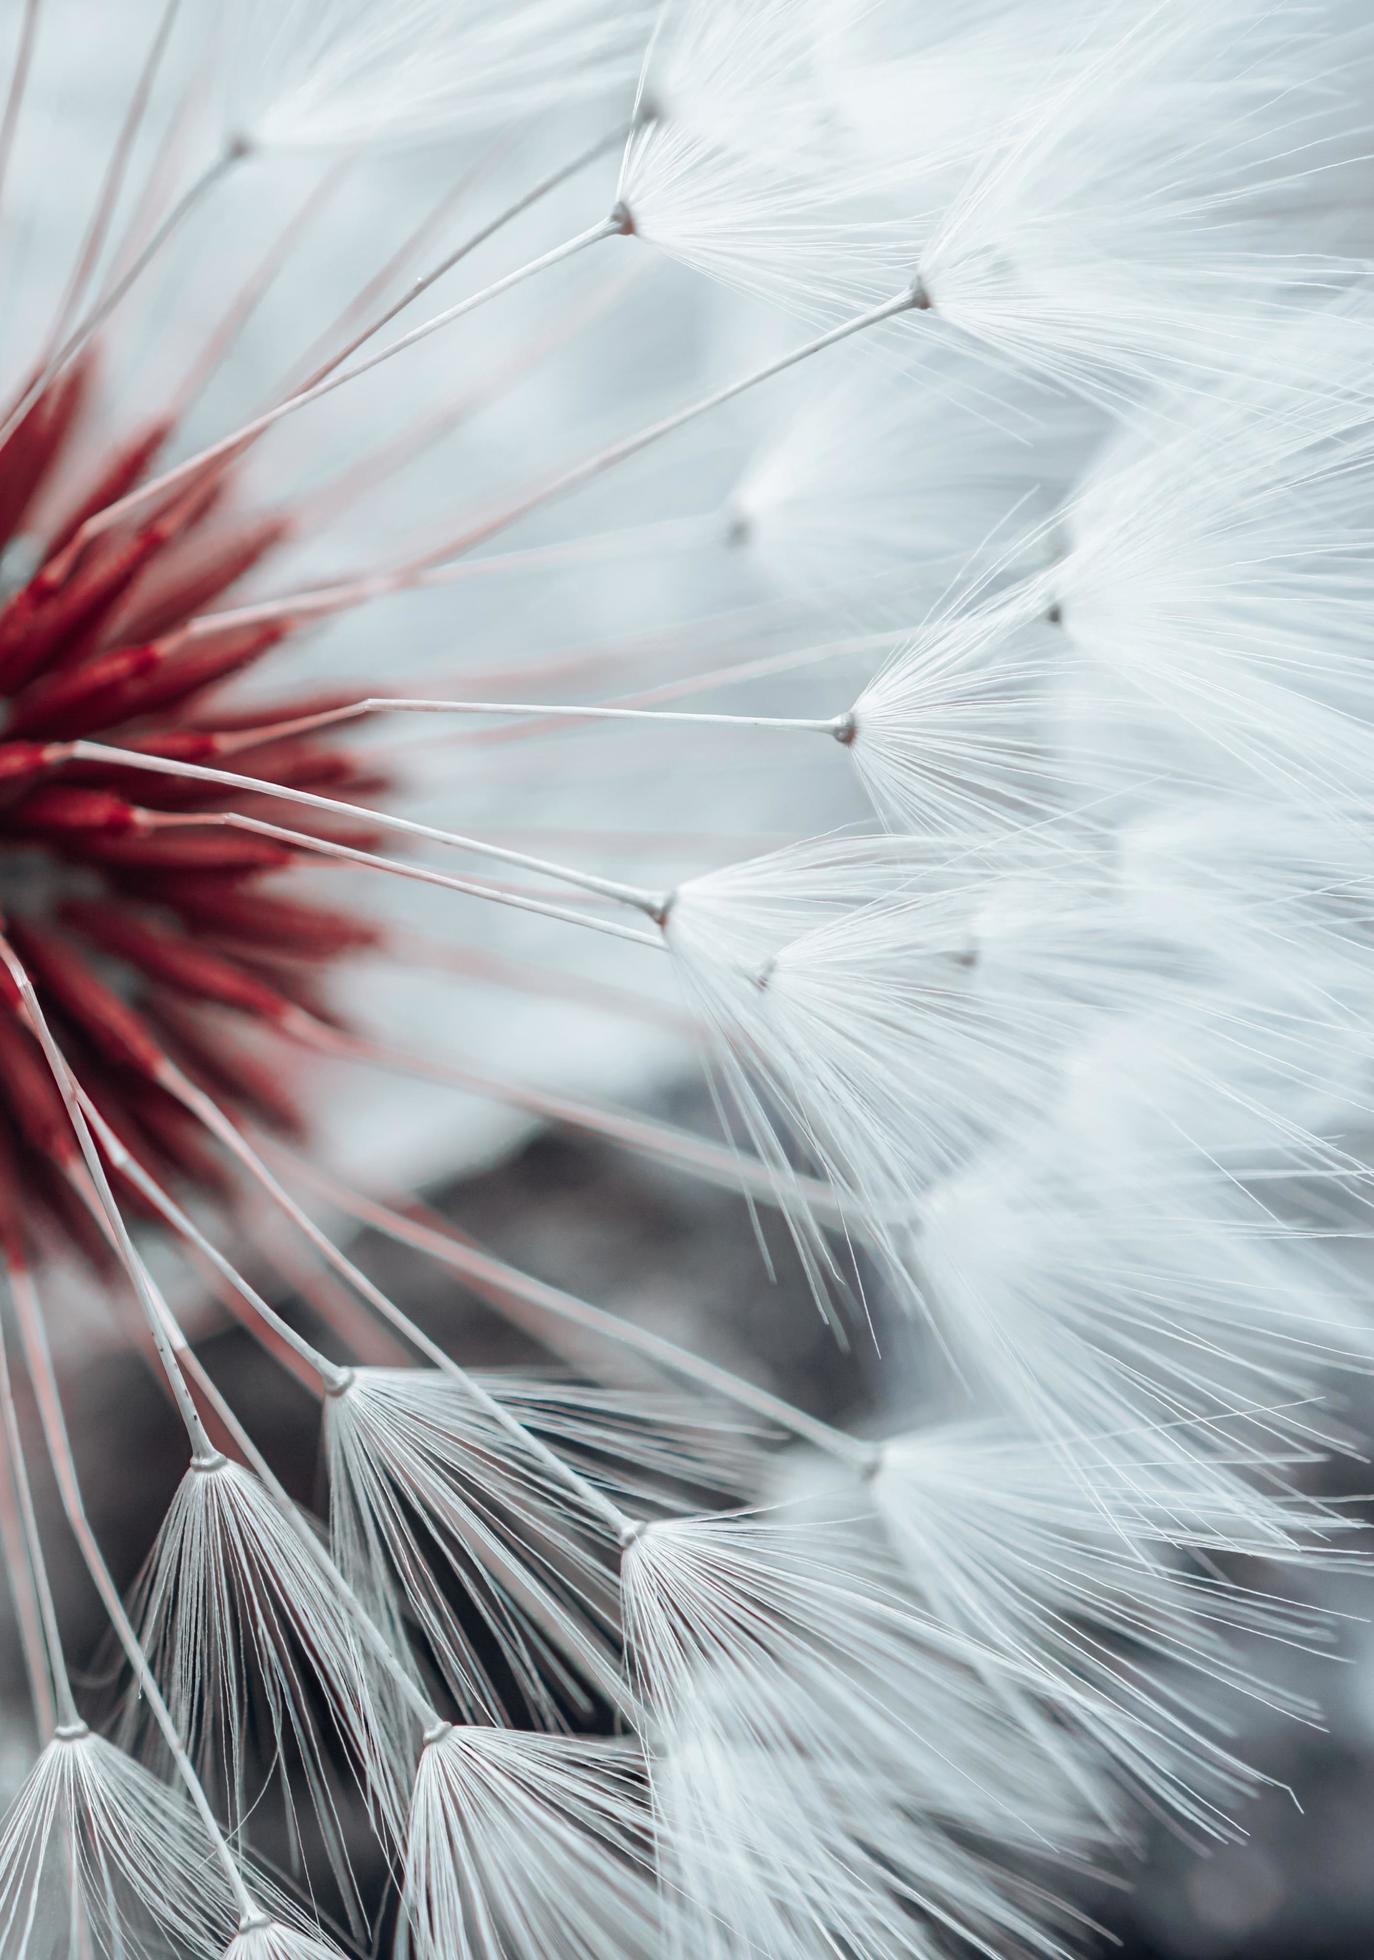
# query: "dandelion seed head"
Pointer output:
{"type": "Point", "coordinates": [950, 725]}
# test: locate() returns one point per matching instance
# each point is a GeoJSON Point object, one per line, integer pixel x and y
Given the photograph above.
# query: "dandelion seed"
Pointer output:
{"type": "Point", "coordinates": [954, 998]}
{"type": "Point", "coordinates": [1064, 1558]}
{"type": "Point", "coordinates": [235, 1610]}
{"type": "Point", "coordinates": [530, 1844]}
{"type": "Point", "coordinates": [95, 1853]}
{"type": "Point", "coordinates": [1216, 569]}
{"type": "Point", "coordinates": [765, 1652]}
{"type": "Point", "coordinates": [423, 1484]}
{"type": "Point", "coordinates": [1097, 1320]}
{"type": "Point", "coordinates": [866, 482]}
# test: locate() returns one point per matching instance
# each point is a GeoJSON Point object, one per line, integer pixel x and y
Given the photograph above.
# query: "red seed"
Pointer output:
{"type": "Point", "coordinates": [58, 967]}
{"type": "Point", "coordinates": [54, 619]}
{"type": "Point", "coordinates": [305, 931]}
{"type": "Point", "coordinates": [176, 745]}
{"type": "Point", "coordinates": [188, 589]}
{"type": "Point", "coordinates": [21, 652]}
{"type": "Point", "coordinates": [126, 467]}
{"type": "Point", "coordinates": [68, 704]}
{"type": "Point", "coordinates": [172, 959]}
{"type": "Point", "coordinates": [225, 1069]}
{"type": "Point", "coordinates": [21, 765]}
{"type": "Point", "coordinates": [32, 1097]}
{"type": "Point", "coordinates": [32, 450]}
{"type": "Point", "coordinates": [14, 1237]}
{"type": "Point", "coordinates": [218, 852]}
{"type": "Point", "coordinates": [67, 810]}
{"type": "Point", "coordinates": [186, 668]}
{"type": "Point", "coordinates": [75, 618]}
{"type": "Point", "coordinates": [126, 681]}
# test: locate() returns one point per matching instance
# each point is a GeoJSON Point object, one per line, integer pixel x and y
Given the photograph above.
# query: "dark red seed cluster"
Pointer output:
{"type": "Point", "coordinates": [138, 925]}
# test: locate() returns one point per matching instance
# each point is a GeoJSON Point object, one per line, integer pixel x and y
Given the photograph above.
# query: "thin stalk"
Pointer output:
{"type": "Point", "coordinates": [155, 820]}
{"type": "Point", "coordinates": [635, 896]}
{"type": "Point", "coordinates": [53, 1701]}
{"type": "Point", "coordinates": [420, 285]}
{"type": "Point", "coordinates": [420, 574]}
{"type": "Point", "coordinates": [24, 1600]}
{"type": "Point", "coordinates": [19, 81]}
{"type": "Point", "coordinates": [489, 1272]}
{"type": "Point", "coordinates": [619, 1525]}
{"type": "Point", "coordinates": [249, 432]}
{"type": "Point", "coordinates": [33, 1336]}
{"type": "Point", "coordinates": [688, 684]}
{"type": "Point", "coordinates": [834, 725]}
{"type": "Point", "coordinates": [205, 1109]}
{"type": "Point", "coordinates": [618, 452]}
{"type": "Point", "coordinates": [326, 349]}
{"type": "Point", "coordinates": [324, 1293]}
{"type": "Point", "coordinates": [717, 1164]}
{"type": "Point", "coordinates": [330, 1375]}
{"type": "Point", "coordinates": [186, 1358]}
{"type": "Point", "coordinates": [116, 171]}
{"type": "Point", "coordinates": [191, 198]}
{"type": "Point", "coordinates": [201, 1445]}
{"type": "Point", "coordinates": [333, 1380]}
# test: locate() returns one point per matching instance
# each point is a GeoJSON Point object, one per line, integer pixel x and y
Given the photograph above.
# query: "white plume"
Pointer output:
{"type": "Point", "coordinates": [530, 1844]}
{"type": "Point", "coordinates": [97, 1855]}
{"type": "Point", "coordinates": [428, 1490]}
{"type": "Point", "coordinates": [332, 74]}
{"type": "Point", "coordinates": [264, 1666]}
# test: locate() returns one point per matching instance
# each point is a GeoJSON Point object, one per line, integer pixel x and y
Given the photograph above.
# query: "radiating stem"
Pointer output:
{"type": "Point", "coordinates": [494, 1273]}
{"type": "Point", "coordinates": [24, 1600]}
{"type": "Point", "coordinates": [329, 1373]}
{"type": "Point", "coordinates": [201, 1445]}
{"type": "Point", "coordinates": [301, 840]}
{"type": "Point", "coordinates": [19, 81]}
{"type": "Point", "coordinates": [634, 896]}
{"type": "Point", "coordinates": [48, 1676]}
{"type": "Point", "coordinates": [686, 685]}
{"type": "Point", "coordinates": [207, 1111]}
{"type": "Point", "coordinates": [191, 198]}
{"type": "Point", "coordinates": [619, 452]}
{"type": "Point", "coordinates": [115, 172]}
{"type": "Point", "coordinates": [33, 1336]}
{"type": "Point", "coordinates": [332, 1378]}
{"type": "Point", "coordinates": [418, 574]}
{"type": "Point", "coordinates": [419, 286]}
{"type": "Point", "coordinates": [249, 432]}
{"type": "Point", "coordinates": [379, 704]}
